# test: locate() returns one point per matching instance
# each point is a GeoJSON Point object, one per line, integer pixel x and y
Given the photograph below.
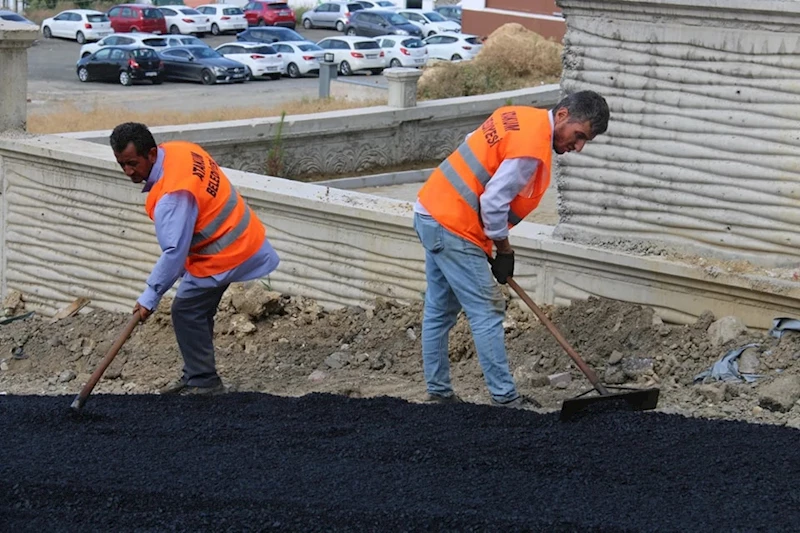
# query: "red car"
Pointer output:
{"type": "Point", "coordinates": [137, 18]}
{"type": "Point", "coordinates": [266, 13]}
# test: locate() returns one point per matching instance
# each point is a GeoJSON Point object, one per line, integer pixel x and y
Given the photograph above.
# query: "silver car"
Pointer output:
{"type": "Point", "coordinates": [330, 15]}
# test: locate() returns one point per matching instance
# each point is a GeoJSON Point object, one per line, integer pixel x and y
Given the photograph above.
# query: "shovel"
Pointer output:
{"type": "Point", "coordinates": [80, 399]}
{"type": "Point", "coordinates": [630, 399]}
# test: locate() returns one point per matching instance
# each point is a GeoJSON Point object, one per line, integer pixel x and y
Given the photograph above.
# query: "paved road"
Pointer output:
{"type": "Point", "coordinates": [52, 81]}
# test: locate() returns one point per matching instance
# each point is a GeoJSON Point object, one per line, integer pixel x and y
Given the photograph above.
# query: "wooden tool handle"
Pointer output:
{"type": "Point", "coordinates": [586, 369]}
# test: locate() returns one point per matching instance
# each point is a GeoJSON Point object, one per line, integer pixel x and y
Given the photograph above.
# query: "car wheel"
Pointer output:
{"type": "Point", "coordinates": [395, 63]}
{"type": "Point", "coordinates": [134, 29]}
{"type": "Point", "coordinates": [455, 57]}
{"type": "Point", "coordinates": [214, 29]}
{"type": "Point", "coordinates": [174, 30]}
{"type": "Point", "coordinates": [46, 32]}
{"type": "Point", "coordinates": [83, 74]}
{"type": "Point", "coordinates": [293, 70]}
{"type": "Point", "coordinates": [339, 26]}
{"type": "Point", "coordinates": [344, 69]}
{"type": "Point", "coordinates": [432, 32]}
{"type": "Point", "coordinates": [261, 22]}
{"type": "Point", "coordinates": [125, 78]}
{"type": "Point", "coordinates": [249, 76]}
{"type": "Point", "coordinates": [80, 37]}
{"type": "Point", "coordinates": [207, 77]}
{"type": "Point", "coordinates": [274, 76]}
{"type": "Point", "coordinates": [352, 32]}
{"type": "Point", "coordinates": [87, 54]}
{"type": "Point", "coordinates": [307, 24]}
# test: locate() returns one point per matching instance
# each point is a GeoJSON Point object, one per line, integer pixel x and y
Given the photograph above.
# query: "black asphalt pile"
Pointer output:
{"type": "Point", "coordinates": [255, 462]}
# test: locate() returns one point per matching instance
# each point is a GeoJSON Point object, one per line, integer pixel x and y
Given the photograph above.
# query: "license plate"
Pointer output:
{"type": "Point", "coordinates": [238, 76]}
{"type": "Point", "coordinates": [272, 69]}
{"type": "Point", "coordinates": [419, 61]}
{"type": "Point", "coordinates": [372, 56]}
{"type": "Point", "coordinates": [151, 74]}
{"type": "Point", "coordinates": [201, 28]}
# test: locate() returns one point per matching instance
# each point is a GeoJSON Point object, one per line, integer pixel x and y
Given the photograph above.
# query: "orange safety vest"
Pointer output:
{"type": "Point", "coordinates": [452, 193]}
{"type": "Point", "coordinates": [227, 232]}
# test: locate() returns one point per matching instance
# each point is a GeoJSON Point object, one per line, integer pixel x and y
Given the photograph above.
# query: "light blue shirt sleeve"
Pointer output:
{"type": "Point", "coordinates": [511, 177]}
{"type": "Point", "coordinates": [175, 217]}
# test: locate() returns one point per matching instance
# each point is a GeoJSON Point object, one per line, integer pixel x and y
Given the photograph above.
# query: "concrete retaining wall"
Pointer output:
{"type": "Point", "coordinates": [348, 141]}
{"type": "Point", "coordinates": [702, 151]}
{"type": "Point", "coordinates": [73, 225]}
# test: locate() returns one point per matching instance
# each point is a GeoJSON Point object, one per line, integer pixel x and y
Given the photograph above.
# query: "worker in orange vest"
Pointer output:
{"type": "Point", "coordinates": [207, 233]}
{"type": "Point", "coordinates": [464, 211]}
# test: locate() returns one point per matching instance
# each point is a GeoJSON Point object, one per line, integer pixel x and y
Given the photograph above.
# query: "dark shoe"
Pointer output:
{"type": "Point", "coordinates": [437, 398]}
{"type": "Point", "coordinates": [520, 402]}
{"type": "Point", "coordinates": [182, 388]}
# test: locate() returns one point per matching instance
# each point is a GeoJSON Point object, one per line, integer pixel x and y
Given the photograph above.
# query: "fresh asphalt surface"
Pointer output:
{"type": "Point", "coordinates": [255, 462]}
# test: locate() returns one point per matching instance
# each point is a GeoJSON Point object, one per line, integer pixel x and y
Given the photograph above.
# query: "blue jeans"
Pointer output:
{"type": "Point", "coordinates": [459, 276]}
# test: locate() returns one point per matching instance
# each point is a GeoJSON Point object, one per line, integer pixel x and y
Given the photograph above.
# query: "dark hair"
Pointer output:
{"type": "Point", "coordinates": [132, 132]}
{"type": "Point", "coordinates": [586, 105]}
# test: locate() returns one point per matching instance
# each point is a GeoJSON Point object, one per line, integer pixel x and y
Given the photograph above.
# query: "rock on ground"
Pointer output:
{"type": "Point", "coordinates": [725, 330]}
{"type": "Point", "coordinates": [781, 394]}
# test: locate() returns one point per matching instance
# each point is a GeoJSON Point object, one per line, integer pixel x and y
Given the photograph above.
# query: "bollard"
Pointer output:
{"type": "Point", "coordinates": [327, 72]}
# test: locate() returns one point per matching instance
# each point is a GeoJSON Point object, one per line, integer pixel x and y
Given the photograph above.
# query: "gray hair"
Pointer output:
{"type": "Point", "coordinates": [586, 106]}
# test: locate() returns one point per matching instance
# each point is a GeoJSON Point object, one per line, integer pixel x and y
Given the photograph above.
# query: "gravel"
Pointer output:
{"type": "Point", "coordinates": [250, 461]}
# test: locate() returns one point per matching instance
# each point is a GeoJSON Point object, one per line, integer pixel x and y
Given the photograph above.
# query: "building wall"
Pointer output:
{"type": "Point", "coordinates": [482, 17]}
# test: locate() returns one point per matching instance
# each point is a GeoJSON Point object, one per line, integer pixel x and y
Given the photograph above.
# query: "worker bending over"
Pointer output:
{"type": "Point", "coordinates": [464, 210]}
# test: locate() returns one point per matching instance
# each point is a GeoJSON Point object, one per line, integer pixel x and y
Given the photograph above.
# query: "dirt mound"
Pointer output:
{"type": "Point", "coordinates": [285, 345]}
{"type": "Point", "coordinates": [512, 57]}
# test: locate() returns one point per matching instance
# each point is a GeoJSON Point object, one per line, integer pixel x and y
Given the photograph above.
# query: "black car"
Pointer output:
{"type": "Point", "coordinates": [121, 63]}
{"type": "Point", "coordinates": [201, 63]}
{"type": "Point", "coordinates": [270, 35]}
{"type": "Point", "coordinates": [375, 22]}
{"type": "Point", "coordinates": [450, 12]}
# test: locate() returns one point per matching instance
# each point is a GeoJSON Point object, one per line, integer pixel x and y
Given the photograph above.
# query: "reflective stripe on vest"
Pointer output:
{"type": "Point", "coordinates": [457, 182]}
{"type": "Point", "coordinates": [227, 238]}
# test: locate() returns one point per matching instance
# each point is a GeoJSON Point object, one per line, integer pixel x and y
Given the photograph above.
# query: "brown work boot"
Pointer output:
{"type": "Point", "coordinates": [182, 388]}
{"type": "Point", "coordinates": [520, 402]}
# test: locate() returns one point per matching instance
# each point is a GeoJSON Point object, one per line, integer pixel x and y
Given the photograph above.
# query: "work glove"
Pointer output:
{"type": "Point", "coordinates": [503, 267]}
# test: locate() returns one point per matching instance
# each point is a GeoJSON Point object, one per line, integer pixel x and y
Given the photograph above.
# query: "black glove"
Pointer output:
{"type": "Point", "coordinates": [503, 267]}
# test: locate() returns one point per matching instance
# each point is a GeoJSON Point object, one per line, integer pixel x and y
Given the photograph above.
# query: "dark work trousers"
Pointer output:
{"type": "Point", "coordinates": [193, 320]}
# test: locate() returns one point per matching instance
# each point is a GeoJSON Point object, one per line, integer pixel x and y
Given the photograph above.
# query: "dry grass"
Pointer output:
{"type": "Point", "coordinates": [69, 117]}
{"type": "Point", "coordinates": [513, 57]}
{"type": "Point", "coordinates": [38, 11]}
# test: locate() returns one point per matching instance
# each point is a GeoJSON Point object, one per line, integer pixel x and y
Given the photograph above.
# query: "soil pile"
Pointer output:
{"type": "Point", "coordinates": [255, 462]}
{"type": "Point", "coordinates": [268, 342]}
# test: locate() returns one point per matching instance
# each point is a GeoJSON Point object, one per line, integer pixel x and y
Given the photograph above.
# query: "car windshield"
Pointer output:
{"type": "Point", "coordinates": [472, 40]}
{"type": "Point", "coordinates": [396, 19]}
{"type": "Point", "coordinates": [366, 45]}
{"type": "Point", "coordinates": [354, 7]}
{"type": "Point", "coordinates": [189, 11]}
{"type": "Point", "coordinates": [156, 41]}
{"type": "Point", "coordinates": [13, 17]}
{"type": "Point", "coordinates": [433, 16]}
{"type": "Point", "coordinates": [232, 11]}
{"type": "Point", "coordinates": [277, 6]}
{"type": "Point", "coordinates": [266, 50]}
{"type": "Point", "coordinates": [97, 18]}
{"type": "Point", "coordinates": [385, 3]}
{"type": "Point", "coordinates": [144, 53]}
{"type": "Point", "coordinates": [308, 47]}
{"type": "Point", "coordinates": [284, 34]}
{"type": "Point", "coordinates": [150, 13]}
{"type": "Point", "coordinates": [205, 53]}
{"type": "Point", "coordinates": [413, 43]}
{"type": "Point", "coordinates": [192, 40]}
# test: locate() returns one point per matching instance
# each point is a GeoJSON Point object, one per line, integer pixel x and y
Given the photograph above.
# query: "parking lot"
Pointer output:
{"type": "Point", "coordinates": [52, 80]}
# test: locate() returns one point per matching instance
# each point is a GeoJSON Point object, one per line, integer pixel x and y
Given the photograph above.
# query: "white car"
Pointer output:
{"type": "Point", "coordinates": [185, 20]}
{"type": "Point", "coordinates": [261, 59]}
{"type": "Point", "coordinates": [148, 40]}
{"type": "Point", "coordinates": [378, 4]}
{"type": "Point", "coordinates": [81, 25]}
{"type": "Point", "coordinates": [430, 22]}
{"type": "Point", "coordinates": [224, 17]}
{"type": "Point", "coordinates": [184, 40]}
{"type": "Point", "coordinates": [453, 46]}
{"type": "Point", "coordinates": [403, 51]}
{"type": "Point", "coordinates": [299, 58]}
{"type": "Point", "coordinates": [355, 54]}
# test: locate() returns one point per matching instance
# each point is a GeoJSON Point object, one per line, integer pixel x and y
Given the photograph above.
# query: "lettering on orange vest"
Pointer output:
{"type": "Point", "coordinates": [227, 232]}
{"type": "Point", "coordinates": [452, 193]}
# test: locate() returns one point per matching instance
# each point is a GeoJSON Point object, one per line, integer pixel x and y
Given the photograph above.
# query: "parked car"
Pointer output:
{"type": "Point", "coordinates": [11, 16]}
{"type": "Point", "coordinates": [203, 64]}
{"type": "Point", "coordinates": [184, 40]}
{"type": "Point", "coordinates": [298, 58]}
{"type": "Point", "coordinates": [354, 54]}
{"type": "Point", "coordinates": [121, 63]}
{"type": "Point", "coordinates": [137, 18]}
{"type": "Point", "coordinates": [270, 13]}
{"type": "Point", "coordinates": [270, 35]}
{"type": "Point", "coordinates": [377, 4]}
{"type": "Point", "coordinates": [143, 40]}
{"type": "Point", "coordinates": [79, 24]}
{"type": "Point", "coordinates": [261, 60]}
{"type": "Point", "coordinates": [453, 46]}
{"type": "Point", "coordinates": [371, 23]}
{"type": "Point", "coordinates": [224, 17]}
{"type": "Point", "coordinates": [430, 22]}
{"type": "Point", "coordinates": [185, 20]}
{"type": "Point", "coordinates": [450, 12]}
{"type": "Point", "coordinates": [403, 51]}
{"type": "Point", "coordinates": [330, 15]}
